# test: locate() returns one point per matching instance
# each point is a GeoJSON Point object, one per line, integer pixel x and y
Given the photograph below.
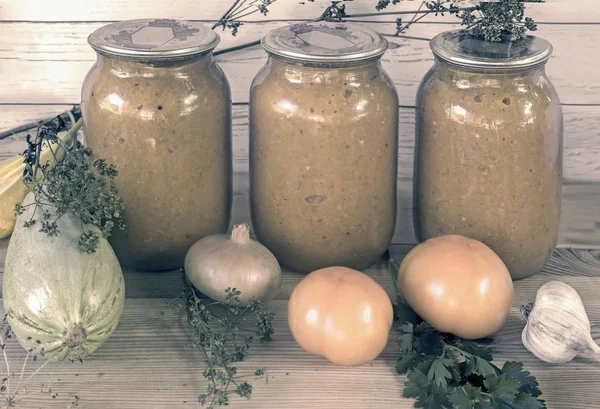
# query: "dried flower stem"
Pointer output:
{"type": "Point", "coordinates": [14, 396]}
{"type": "Point", "coordinates": [223, 341]}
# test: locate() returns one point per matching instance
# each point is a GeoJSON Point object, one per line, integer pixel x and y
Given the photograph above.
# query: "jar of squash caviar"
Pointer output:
{"type": "Point", "coordinates": [323, 147]}
{"type": "Point", "coordinates": [157, 106]}
{"type": "Point", "coordinates": [488, 158]}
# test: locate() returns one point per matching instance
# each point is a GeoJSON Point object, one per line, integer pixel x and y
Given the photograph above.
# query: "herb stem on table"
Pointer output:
{"type": "Point", "coordinates": [223, 340]}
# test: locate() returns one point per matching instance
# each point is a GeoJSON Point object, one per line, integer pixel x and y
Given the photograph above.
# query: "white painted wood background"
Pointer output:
{"type": "Point", "coordinates": [43, 59]}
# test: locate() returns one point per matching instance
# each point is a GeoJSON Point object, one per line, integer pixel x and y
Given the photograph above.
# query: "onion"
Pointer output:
{"type": "Point", "coordinates": [220, 261]}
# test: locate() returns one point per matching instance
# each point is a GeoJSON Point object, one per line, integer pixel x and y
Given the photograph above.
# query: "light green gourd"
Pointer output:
{"type": "Point", "coordinates": [56, 297]}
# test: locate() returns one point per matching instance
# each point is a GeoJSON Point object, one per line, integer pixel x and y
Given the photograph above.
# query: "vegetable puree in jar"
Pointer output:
{"type": "Point", "coordinates": [323, 147]}
{"type": "Point", "coordinates": [157, 106]}
{"type": "Point", "coordinates": [488, 161]}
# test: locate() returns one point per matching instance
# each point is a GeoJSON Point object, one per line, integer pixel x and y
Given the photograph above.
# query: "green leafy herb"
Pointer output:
{"type": "Point", "coordinates": [444, 371]}
{"type": "Point", "coordinates": [224, 335]}
{"type": "Point", "coordinates": [76, 184]}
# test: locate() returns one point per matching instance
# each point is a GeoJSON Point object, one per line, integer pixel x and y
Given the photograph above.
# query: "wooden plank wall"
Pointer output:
{"type": "Point", "coordinates": [44, 57]}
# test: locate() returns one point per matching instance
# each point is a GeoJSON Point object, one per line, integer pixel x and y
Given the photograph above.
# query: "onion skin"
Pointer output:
{"type": "Point", "coordinates": [220, 261]}
{"type": "Point", "coordinates": [340, 314]}
{"type": "Point", "coordinates": [457, 284]}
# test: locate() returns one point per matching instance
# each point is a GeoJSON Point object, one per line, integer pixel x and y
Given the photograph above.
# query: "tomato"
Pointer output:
{"type": "Point", "coordinates": [340, 314]}
{"type": "Point", "coordinates": [457, 284]}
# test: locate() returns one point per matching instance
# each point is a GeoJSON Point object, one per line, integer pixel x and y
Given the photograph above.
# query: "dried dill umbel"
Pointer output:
{"type": "Point", "coordinates": [77, 183]}
{"type": "Point", "coordinates": [224, 333]}
{"type": "Point", "coordinates": [491, 21]}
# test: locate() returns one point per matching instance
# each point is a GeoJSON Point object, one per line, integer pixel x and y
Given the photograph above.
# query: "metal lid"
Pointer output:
{"type": "Point", "coordinates": [325, 43]}
{"type": "Point", "coordinates": [151, 39]}
{"type": "Point", "coordinates": [465, 50]}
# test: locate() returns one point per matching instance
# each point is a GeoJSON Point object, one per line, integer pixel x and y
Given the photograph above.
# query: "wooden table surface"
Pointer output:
{"type": "Point", "coordinates": [146, 363]}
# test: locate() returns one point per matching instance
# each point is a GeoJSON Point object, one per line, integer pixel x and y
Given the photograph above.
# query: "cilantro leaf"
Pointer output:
{"type": "Point", "coordinates": [425, 365]}
{"type": "Point", "coordinates": [427, 394]}
{"type": "Point", "coordinates": [403, 314]}
{"type": "Point", "coordinates": [483, 367]}
{"type": "Point", "coordinates": [527, 401]}
{"type": "Point", "coordinates": [501, 387]}
{"type": "Point", "coordinates": [426, 340]}
{"type": "Point", "coordinates": [478, 347]}
{"type": "Point", "coordinates": [407, 362]}
{"type": "Point", "coordinates": [406, 337]}
{"type": "Point", "coordinates": [527, 382]}
{"type": "Point", "coordinates": [483, 405]}
{"type": "Point", "coordinates": [465, 397]}
{"type": "Point", "coordinates": [455, 371]}
{"type": "Point", "coordinates": [439, 373]}
{"type": "Point", "coordinates": [436, 398]}
{"type": "Point", "coordinates": [447, 372]}
{"type": "Point", "coordinates": [416, 383]}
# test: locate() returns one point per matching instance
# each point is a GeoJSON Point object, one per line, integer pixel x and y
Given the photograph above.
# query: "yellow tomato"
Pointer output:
{"type": "Point", "coordinates": [340, 314]}
{"type": "Point", "coordinates": [457, 284]}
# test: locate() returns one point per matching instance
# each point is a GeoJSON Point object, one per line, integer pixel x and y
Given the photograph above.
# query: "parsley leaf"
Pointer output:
{"type": "Point", "coordinates": [527, 382]}
{"type": "Point", "coordinates": [439, 373]}
{"type": "Point", "coordinates": [407, 362]}
{"type": "Point", "coordinates": [406, 337]}
{"type": "Point", "coordinates": [426, 340]}
{"type": "Point", "coordinates": [480, 366]}
{"type": "Point", "coordinates": [466, 397]}
{"type": "Point", "coordinates": [501, 387]}
{"type": "Point", "coordinates": [527, 401]}
{"type": "Point", "coordinates": [427, 394]}
{"type": "Point", "coordinates": [436, 398]}
{"type": "Point", "coordinates": [445, 371]}
{"type": "Point", "coordinates": [416, 382]}
{"type": "Point", "coordinates": [480, 348]}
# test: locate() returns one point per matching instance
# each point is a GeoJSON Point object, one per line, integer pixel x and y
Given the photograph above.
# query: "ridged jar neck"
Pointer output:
{"type": "Point", "coordinates": [451, 70]}
{"type": "Point", "coordinates": [129, 65]}
{"type": "Point", "coordinates": [315, 74]}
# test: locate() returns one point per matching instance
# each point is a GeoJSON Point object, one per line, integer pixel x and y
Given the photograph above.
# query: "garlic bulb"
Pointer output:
{"type": "Point", "coordinates": [557, 326]}
{"type": "Point", "coordinates": [220, 261]}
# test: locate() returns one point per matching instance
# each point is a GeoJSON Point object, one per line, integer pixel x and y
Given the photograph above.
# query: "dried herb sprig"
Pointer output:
{"type": "Point", "coordinates": [12, 395]}
{"type": "Point", "coordinates": [240, 9]}
{"type": "Point", "coordinates": [488, 20]}
{"type": "Point", "coordinates": [492, 21]}
{"type": "Point", "coordinates": [75, 184]}
{"type": "Point", "coordinates": [224, 333]}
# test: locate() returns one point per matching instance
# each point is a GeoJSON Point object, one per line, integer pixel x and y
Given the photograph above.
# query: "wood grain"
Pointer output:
{"type": "Point", "coordinates": [47, 63]}
{"type": "Point", "coordinates": [146, 364]}
{"type": "Point", "coordinates": [103, 10]}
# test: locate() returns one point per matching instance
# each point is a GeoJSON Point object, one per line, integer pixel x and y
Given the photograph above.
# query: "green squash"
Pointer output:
{"type": "Point", "coordinates": [59, 300]}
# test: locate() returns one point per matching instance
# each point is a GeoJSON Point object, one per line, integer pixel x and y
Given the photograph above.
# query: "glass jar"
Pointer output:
{"type": "Point", "coordinates": [323, 147]}
{"type": "Point", "coordinates": [488, 159]}
{"type": "Point", "coordinates": [157, 106]}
